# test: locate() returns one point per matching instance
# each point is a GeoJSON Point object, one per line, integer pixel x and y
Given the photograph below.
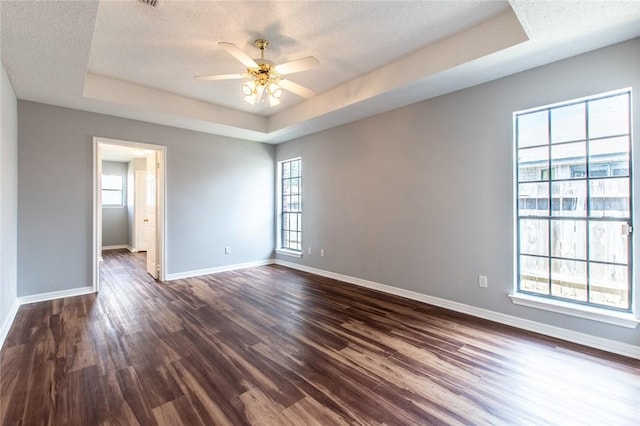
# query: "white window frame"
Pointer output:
{"type": "Point", "coordinates": [122, 191]}
{"type": "Point", "coordinates": [279, 249]}
{"type": "Point", "coordinates": [613, 317]}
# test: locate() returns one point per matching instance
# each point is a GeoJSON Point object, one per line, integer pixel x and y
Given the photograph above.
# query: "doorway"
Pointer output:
{"type": "Point", "coordinates": [140, 196]}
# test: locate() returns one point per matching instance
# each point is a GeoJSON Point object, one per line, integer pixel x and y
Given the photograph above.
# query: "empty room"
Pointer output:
{"type": "Point", "coordinates": [319, 212]}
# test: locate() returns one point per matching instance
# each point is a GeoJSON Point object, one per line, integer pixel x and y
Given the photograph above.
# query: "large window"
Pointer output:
{"type": "Point", "coordinates": [112, 191]}
{"type": "Point", "coordinates": [291, 204]}
{"type": "Point", "coordinates": [574, 201]}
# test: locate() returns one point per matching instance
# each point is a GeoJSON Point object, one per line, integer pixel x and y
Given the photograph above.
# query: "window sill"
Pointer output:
{"type": "Point", "coordinates": [622, 319]}
{"type": "Point", "coordinates": [291, 253]}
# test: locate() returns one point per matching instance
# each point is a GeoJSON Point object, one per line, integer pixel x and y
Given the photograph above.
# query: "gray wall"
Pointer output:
{"type": "Point", "coordinates": [114, 219]}
{"type": "Point", "coordinates": [8, 196]}
{"type": "Point", "coordinates": [421, 198]}
{"type": "Point", "coordinates": [134, 165]}
{"type": "Point", "coordinates": [219, 193]}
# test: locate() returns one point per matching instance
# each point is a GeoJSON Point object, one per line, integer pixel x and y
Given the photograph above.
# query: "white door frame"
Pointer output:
{"type": "Point", "coordinates": [139, 210]}
{"type": "Point", "coordinates": [161, 251]}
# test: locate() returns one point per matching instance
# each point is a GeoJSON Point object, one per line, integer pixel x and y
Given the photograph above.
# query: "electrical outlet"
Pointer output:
{"type": "Point", "coordinates": [227, 250]}
{"type": "Point", "coordinates": [482, 281]}
{"type": "Point", "coordinates": [309, 250]}
{"type": "Point", "coordinates": [321, 252]}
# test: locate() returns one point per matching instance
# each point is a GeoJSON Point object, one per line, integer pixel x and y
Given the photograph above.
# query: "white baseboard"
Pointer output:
{"type": "Point", "coordinates": [612, 346]}
{"type": "Point", "coordinates": [43, 297]}
{"type": "Point", "coordinates": [200, 272]}
{"type": "Point", "coordinates": [121, 246]}
{"type": "Point", "coordinates": [8, 321]}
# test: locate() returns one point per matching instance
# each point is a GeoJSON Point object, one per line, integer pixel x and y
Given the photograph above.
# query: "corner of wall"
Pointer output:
{"type": "Point", "coordinates": [8, 204]}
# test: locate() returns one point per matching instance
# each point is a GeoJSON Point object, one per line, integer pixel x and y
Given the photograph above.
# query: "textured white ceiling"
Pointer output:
{"type": "Point", "coordinates": [127, 59]}
{"type": "Point", "coordinates": [165, 47]}
{"type": "Point", "coordinates": [122, 154]}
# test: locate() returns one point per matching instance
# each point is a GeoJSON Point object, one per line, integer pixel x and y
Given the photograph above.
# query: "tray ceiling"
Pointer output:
{"type": "Point", "coordinates": [128, 59]}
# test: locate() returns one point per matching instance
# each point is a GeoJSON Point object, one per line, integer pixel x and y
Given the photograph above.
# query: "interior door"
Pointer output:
{"type": "Point", "coordinates": [140, 210]}
{"type": "Point", "coordinates": [152, 266]}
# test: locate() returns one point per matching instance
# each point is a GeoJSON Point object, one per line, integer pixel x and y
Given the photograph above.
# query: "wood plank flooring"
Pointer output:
{"type": "Point", "coordinates": [273, 346]}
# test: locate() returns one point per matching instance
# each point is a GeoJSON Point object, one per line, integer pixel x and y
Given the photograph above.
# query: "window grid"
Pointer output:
{"type": "Point", "coordinates": [612, 209]}
{"type": "Point", "coordinates": [112, 190]}
{"type": "Point", "coordinates": [291, 202]}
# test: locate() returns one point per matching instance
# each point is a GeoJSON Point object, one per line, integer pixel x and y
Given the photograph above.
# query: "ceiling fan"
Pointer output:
{"type": "Point", "coordinates": [265, 77]}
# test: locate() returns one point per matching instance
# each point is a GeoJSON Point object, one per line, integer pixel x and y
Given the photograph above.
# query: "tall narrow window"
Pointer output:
{"type": "Point", "coordinates": [574, 201]}
{"type": "Point", "coordinates": [112, 190]}
{"type": "Point", "coordinates": [291, 204]}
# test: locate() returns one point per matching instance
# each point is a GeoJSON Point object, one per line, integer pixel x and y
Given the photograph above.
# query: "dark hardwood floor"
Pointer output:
{"type": "Point", "coordinates": [274, 346]}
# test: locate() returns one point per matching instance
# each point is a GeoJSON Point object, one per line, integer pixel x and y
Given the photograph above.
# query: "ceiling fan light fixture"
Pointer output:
{"type": "Point", "coordinates": [248, 88]}
{"type": "Point", "coordinates": [275, 91]}
{"type": "Point", "coordinates": [264, 79]}
{"type": "Point", "coordinates": [273, 101]}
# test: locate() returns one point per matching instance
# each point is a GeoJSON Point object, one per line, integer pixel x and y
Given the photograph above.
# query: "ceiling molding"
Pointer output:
{"type": "Point", "coordinates": [214, 118]}
{"type": "Point", "coordinates": [493, 35]}
{"type": "Point", "coordinates": [129, 60]}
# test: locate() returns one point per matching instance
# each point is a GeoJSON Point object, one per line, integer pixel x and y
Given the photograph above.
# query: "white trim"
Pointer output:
{"type": "Point", "coordinates": [96, 218]}
{"type": "Point", "coordinates": [8, 321]}
{"type": "Point", "coordinates": [44, 297]}
{"type": "Point", "coordinates": [607, 345]}
{"type": "Point", "coordinates": [278, 216]}
{"type": "Point", "coordinates": [594, 96]}
{"type": "Point", "coordinates": [287, 252]}
{"type": "Point", "coordinates": [161, 217]}
{"type": "Point", "coordinates": [121, 246]}
{"type": "Point", "coordinates": [621, 319]}
{"type": "Point", "coordinates": [225, 268]}
{"type": "Point", "coordinates": [612, 346]}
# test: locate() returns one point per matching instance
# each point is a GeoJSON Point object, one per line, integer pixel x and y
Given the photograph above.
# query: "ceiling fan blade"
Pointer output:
{"type": "Point", "coordinates": [219, 77]}
{"type": "Point", "coordinates": [235, 51]}
{"type": "Point", "coordinates": [297, 89]}
{"type": "Point", "coordinates": [298, 65]}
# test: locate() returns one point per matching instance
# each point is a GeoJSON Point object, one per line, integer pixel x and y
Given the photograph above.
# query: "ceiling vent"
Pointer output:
{"type": "Point", "coordinates": [153, 3]}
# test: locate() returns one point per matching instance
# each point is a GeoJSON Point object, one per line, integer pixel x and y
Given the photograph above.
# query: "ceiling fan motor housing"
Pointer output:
{"type": "Point", "coordinates": [265, 73]}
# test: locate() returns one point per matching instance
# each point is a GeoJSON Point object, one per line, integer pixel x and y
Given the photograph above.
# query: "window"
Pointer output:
{"type": "Point", "coordinates": [576, 248]}
{"type": "Point", "coordinates": [291, 205]}
{"type": "Point", "coordinates": [112, 191]}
